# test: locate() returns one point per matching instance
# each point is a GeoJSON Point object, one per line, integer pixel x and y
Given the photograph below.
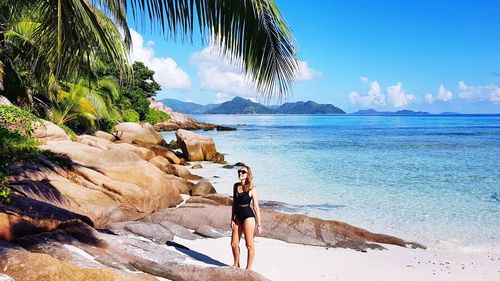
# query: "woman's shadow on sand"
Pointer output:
{"type": "Point", "coordinates": [194, 254]}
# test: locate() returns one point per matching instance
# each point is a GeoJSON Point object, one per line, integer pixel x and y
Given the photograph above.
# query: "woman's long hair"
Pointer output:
{"type": "Point", "coordinates": [248, 184]}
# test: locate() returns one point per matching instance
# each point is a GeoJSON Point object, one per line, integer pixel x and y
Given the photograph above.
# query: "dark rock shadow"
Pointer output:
{"type": "Point", "coordinates": [194, 254]}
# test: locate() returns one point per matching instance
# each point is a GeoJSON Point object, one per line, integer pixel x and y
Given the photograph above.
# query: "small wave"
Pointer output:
{"type": "Point", "coordinates": [299, 209]}
{"type": "Point", "coordinates": [495, 197]}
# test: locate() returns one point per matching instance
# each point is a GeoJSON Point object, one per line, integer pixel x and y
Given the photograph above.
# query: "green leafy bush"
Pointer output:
{"type": "Point", "coordinates": [69, 132]}
{"type": "Point", "coordinates": [16, 119]}
{"type": "Point", "coordinates": [106, 125]}
{"type": "Point", "coordinates": [130, 115]}
{"type": "Point", "coordinates": [16, 126]}
{"type": "Point", "coordinates": [14, 147]}
{"type": "Point", "coordinates": [155, 116]}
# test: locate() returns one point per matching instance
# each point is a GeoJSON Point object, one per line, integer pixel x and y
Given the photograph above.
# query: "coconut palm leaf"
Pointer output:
{"type": "Point", "coordinates": [76, 30]}
{"type": "Point", "coordinates": [251, 32]}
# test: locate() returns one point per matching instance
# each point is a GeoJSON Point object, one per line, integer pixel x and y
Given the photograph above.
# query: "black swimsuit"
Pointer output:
{"type": "Point", "coordinates": [242, 205]}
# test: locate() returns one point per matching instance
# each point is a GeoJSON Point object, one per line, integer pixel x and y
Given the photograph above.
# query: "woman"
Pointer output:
{"type": "Point", "coordinates": [243, 218]}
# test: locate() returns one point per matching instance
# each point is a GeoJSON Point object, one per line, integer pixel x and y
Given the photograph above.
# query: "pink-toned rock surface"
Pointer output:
{"type": "Point", "coordinates": [128, 132]}
{"type": "Point", "coordinates": [47, 131]}
{"type": "Point", "coordinates": [290, 228]}
{"type": "Point", "coordinates": [177, 120]}
{"type": "Point", "coordinates": [4, 101]}
{"type": "Point", "coordinates": [150, 186]}
{"type": "Point", "coordinates": [165, 152]}
{"type": "Point", "coordinates": [177, 170]}
{"type": "Point", "coordinates": [196, 147]}
{"type": "Point", "coordinates": [142, 152]}
{"type": "Point", "coordinates": [104, 135]}
{"type": "Point", "coordinates": [104, 181]}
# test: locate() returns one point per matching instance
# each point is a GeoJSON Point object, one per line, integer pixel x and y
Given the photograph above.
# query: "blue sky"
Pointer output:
{"type": "Point", "coordinates": [389, 55]}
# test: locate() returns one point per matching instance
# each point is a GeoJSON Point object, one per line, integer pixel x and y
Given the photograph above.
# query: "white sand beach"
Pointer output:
{"type": "Point", "coordinates": [279, 260]}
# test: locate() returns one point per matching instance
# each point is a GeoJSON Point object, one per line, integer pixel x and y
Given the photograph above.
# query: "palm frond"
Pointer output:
{"type": "Point", "coordinates": [253, 31]}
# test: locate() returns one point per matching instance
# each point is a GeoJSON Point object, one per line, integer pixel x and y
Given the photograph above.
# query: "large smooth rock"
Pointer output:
{"type": "Point", "coordinates": [47, 131]}
{"type": "Point", "coordinates": [202, 188]}
{"type": "Point", "coordinates": [146, 188]}
{"type": "Point", "coordinates": [4, 101]}
{"type": "Point", "coordinates": [196, 147]}
{"type": "Point", "coordinates": [177, 170]}
{"type": "Point", "coordinates": [94, 141]}
{"type": "Point", "coordinates": [25, 216]}
{"type": "Point", "coordinates": [58, 264]}
{"type": "Point", "coordinates": [290, 228]}
{"type": "Point", "coordinates": [129, 132]}
{"type": "Point", "coordinates": [154, 232]}
{"type": "Point", "coordinates": [178, 120]}
{"type": "Point", "coordinates": [104, 135]}
{"type": "Point", "coordinates": [103, 181]}
{"type": "Point", "coordinates": [210, 232]}
{"type": "Point", "coordinates": [129, 254]}
{"type": "Point", "coordinates": [144, 153]}
{"type": "Point", "coordinates": [165, 152]}
{"type": "Point", "coordinates": [179, 230]}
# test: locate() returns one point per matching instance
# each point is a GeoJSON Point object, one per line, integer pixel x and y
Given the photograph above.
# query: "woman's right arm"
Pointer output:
{"type": "Point", "coordinates": [233, 211]}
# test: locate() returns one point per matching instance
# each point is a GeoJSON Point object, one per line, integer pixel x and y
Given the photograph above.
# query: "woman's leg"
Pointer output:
{"type": "Point", "coordinates": [249, 229]}
{"type": "Point", "coordinates": [235, 243]}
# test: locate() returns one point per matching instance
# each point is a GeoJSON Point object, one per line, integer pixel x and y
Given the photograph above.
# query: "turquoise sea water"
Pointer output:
{"type": "Point", "coordinates": [427, 179]}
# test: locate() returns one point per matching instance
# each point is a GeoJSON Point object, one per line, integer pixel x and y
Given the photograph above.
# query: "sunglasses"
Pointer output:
{"type": "Point", "coordinates": [242, 172]}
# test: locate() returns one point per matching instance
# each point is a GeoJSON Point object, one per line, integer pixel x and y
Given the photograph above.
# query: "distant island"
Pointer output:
{"type": "Point", "coordinates": [240, 105]}
{"type": "Point", "coordinates": [308, 107]}
{"type": "Point", "coordinates": [384, 113]}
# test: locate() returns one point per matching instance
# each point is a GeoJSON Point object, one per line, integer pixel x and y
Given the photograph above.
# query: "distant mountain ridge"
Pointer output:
{"type": "Point", "coordinates": [378, 113]}
{"type": "Point", "coordinates": [308, 107]}
{"type": "Point", "coordinates": [240, 105]}
{"type": "Point", "coordinates": [187, 107]}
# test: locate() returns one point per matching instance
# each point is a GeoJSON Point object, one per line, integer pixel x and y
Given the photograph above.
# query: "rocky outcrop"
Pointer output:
{"type": "Point", "coordinates": [25, 216]}
{"type": "Point", "coordinates": [142, 152]}
{"type": "Point", "coordinates": [103, 181]}
{"type": "Point", "coordinates": [129, 132]}
{"type": "Point", "coordinates": [202, 188]}
{"type": "Point", "coordinates": [47, 131]}
{"type": "Point", "coordinates": [197, 147]}
{"type": "Point", "coordinates": [165, 152]}
{"type": "Point", "coordinates": [299, 229]}
{"type": "Point", "coordinates": [177, 170]}
{"type": "Point", "coordinates": [104, 135]}
{"type": "Point", "coordinates": [65, 266]}
{"type": "Point", "coordinates": [178, 120]}
{"type": "Point", "coordinates": [4, 101]}
{"type": "Point", "coordinates": [81, 253]}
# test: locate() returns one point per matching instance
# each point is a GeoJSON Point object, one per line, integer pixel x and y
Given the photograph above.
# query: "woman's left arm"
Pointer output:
{"type": "Point", "coordinates": [256, 210]}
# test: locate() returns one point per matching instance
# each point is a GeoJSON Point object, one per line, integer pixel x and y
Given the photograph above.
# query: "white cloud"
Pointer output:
{"type": "Point", "coordinates": [397, 96]}
{"type": "Point", "coordinates": [442, 95]}
{"type": "Point", "coordinates": [479, 93]}
{"type": "Point", "coordinates": [225, 75]}
{"type": "Point", "coordinates": [375, 97]}
{"type": "Point", "coordinates": [363, 79]}
{"type": "Point", "coordinates": [220, 74]}
{"type": "Point", "coordinates": [167, 73]}
{"type": "Point", "coordinates": [429, 98]}
{"type": "Point", "coordinates": [223, 97]}
{"type": "Point", "coordinates": [305, 73]}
